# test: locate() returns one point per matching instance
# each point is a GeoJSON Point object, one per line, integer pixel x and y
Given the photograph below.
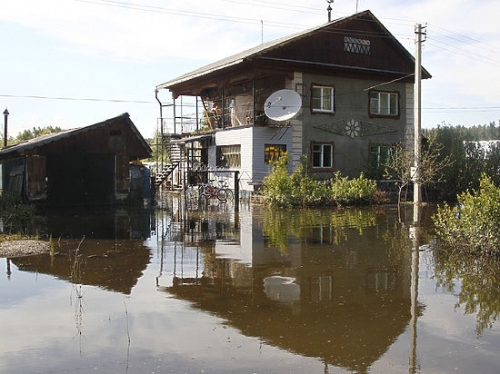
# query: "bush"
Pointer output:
{"type": "Point", "coordinates": [357, 191]}
{"type": "Point", "coordinates": [301, 189]}
{"type": "Point", "coordinates": [474, 224]}
{"type": "Point", "coordinates": [277, 188]}
{"type": "Point", "coordinates": [13, 211]}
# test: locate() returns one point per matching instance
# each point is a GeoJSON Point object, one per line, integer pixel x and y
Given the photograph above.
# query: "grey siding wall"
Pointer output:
{"type": "Point", "coordinates": [351, 107]}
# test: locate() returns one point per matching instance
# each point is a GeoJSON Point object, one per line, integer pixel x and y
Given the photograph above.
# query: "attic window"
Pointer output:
{"type": "Point", "coordinates": [115, 132]}
{"type": "Point", "coordinates": [355, 45]}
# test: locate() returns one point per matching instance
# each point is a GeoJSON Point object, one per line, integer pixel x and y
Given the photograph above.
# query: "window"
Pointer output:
{"type": "Point", "coordinates": [382, 155]}
{"type": "Point", "coordinates": [355, 45]}
{"type": "Point", "coordinates": [381, 280]}
{"type": "Point", "coordinates": [322, 155]}
{"type": "Point", "coordinates": [382, 159]}
{"type": "Point", "coordinates": [322, 99]}
{"type": "Point", "coordinates": [321, 288]}
{"type": "Point", "coordinates": [384, 103]}
{"type": "Point", "coordinates": [273, 152]}
{"type": "Point", "coordinates": [229, 156]}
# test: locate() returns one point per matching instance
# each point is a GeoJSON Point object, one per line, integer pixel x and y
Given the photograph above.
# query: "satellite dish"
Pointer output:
{"type": "Point", "coordinates": [282, 105]}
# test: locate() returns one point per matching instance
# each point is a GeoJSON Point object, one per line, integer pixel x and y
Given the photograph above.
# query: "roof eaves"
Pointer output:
{"type": "Point", "coordinates": [198, 73]}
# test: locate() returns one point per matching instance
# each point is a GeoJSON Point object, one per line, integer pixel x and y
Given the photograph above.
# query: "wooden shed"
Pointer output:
{"type": "Point", "coordinates": [84, 166]}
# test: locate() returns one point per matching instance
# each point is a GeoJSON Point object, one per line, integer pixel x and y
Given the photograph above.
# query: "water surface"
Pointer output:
{"type": "Point", "coordinates": [178, 290]}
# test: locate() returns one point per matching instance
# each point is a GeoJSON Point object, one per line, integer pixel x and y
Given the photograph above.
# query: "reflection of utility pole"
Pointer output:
{"type": "Point", "coordinates": [412, 361]}
{"type": "Point", "coordinates": [417, 199]}
{"type": "Point", "coordinates": [8, 268]}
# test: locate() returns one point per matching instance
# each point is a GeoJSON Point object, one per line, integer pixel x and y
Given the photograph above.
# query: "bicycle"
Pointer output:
{"type": "Point", "coordinates": [222, 193]}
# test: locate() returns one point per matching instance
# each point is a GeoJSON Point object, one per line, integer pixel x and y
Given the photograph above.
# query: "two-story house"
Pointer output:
{"type": "Point", "coordinates": [356, 85]}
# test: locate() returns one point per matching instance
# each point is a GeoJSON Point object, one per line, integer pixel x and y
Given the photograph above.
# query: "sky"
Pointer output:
{"type": "Point", "coordinates": [73, 63]}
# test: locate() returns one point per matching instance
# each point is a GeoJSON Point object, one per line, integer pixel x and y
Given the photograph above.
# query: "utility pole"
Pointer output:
{"type": "Point", "coordinates": [5, 119]}
{"type": "Point", "coordinates": [329, 9]}
{"type": "Point", "coordinates": [417, 198]}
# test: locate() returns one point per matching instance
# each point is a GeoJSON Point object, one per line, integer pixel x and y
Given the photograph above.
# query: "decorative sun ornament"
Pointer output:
{"type": "Point", "coordinates": [352, 128]}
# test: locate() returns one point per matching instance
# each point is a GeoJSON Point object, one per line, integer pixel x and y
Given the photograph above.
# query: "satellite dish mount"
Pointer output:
{"type": "Point", "coordinates": [282, 105]}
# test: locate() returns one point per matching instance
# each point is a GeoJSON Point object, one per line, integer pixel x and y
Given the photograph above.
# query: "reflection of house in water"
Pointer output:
{"type": "Point", "coordinates": [112, 264]}
{"type": "Point", "coordinates": [95, 246]}
{"type": "Point", "coordinates": [335, 294]}
{"type": "Point", "coordinates": [93, 222]}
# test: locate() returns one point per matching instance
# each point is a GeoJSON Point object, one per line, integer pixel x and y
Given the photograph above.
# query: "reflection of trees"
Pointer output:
{"type": "Point", "coordinates": [279, 225]}
{"type": "Point", "coordinates": [480, 284]}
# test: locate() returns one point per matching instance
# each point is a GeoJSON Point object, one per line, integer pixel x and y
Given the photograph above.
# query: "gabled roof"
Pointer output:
{"type": "Point", "coordinates": [20, 148]}
{"type": "Point", "coordinates": [264, 48]}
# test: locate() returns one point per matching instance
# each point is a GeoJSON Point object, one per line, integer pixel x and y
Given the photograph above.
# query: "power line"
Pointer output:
{"type": "Point", "coordinates": [466, 39]}
{"type": "Point", "coordinates": [470, 108]}
{"type": "Point", "coordinates": [158, 9]}
{"type": "Point", "coordinates": [77, 99]}
{"type": "Point", "coordinates": [279, 6]}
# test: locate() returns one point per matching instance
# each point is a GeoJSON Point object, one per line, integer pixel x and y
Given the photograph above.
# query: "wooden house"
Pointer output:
{"type": "Point", "coordinates": [356, 84]}
{"type": "Point", "coordinates": [84, 166]}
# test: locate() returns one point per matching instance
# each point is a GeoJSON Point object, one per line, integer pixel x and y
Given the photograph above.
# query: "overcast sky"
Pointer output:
{"type": "Point", "coordinates": [72, 63]}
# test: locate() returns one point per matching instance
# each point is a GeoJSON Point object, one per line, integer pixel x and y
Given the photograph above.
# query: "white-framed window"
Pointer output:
{"type": "Point", "coordinates": [322, 99]}
{"type": "Point", "coordinates": [229, 156]}
{"type": "Point", "coordinates": [384, 103]}
{"type": "Point", "coordinates": [322, 155]}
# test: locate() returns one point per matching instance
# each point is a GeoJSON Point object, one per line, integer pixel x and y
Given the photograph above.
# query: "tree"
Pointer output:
{"type": "Point", "coordinates": [36, 132]}
{"type": "Point", "coordinates": [432, 164]}
{"type": "Point", "coordinates": [468, 160]}
{"type": "Point", "coordinates": [160, 147]}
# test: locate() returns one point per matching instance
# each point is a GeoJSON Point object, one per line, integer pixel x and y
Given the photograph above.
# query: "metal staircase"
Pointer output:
{"type": "Point", "coordinates": [175, 156]}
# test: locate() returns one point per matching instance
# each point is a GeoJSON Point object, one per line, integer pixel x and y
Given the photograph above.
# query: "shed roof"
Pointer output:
{"type": "Point", "coordinates": [20, 148]}
{"type": "Point", "coordinates": [262, 49]}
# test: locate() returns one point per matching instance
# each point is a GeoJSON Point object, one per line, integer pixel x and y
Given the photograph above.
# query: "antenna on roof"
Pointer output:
{"type": "Point", "coordinates": [329, 9]}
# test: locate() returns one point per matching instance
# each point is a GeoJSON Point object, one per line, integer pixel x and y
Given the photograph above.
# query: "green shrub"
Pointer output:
{"type": "Point", "coordinates": [302, 189]}
{"type": "Point", "coordinates": [356, 191]}
{"type": "Point", "coordinates": [277, 188]}
{"type": "Point", "coordinates": [474, 224]}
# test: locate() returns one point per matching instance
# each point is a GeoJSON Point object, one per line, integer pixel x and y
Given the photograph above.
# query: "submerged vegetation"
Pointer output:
{"type": "Point", "coordinates": [300, 189]}
{"type": "Point", "coordinates": [473, 225]}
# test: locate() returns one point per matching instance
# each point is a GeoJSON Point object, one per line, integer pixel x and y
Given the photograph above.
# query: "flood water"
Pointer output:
{"type": "Point", "coordinates": [189, 290]}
